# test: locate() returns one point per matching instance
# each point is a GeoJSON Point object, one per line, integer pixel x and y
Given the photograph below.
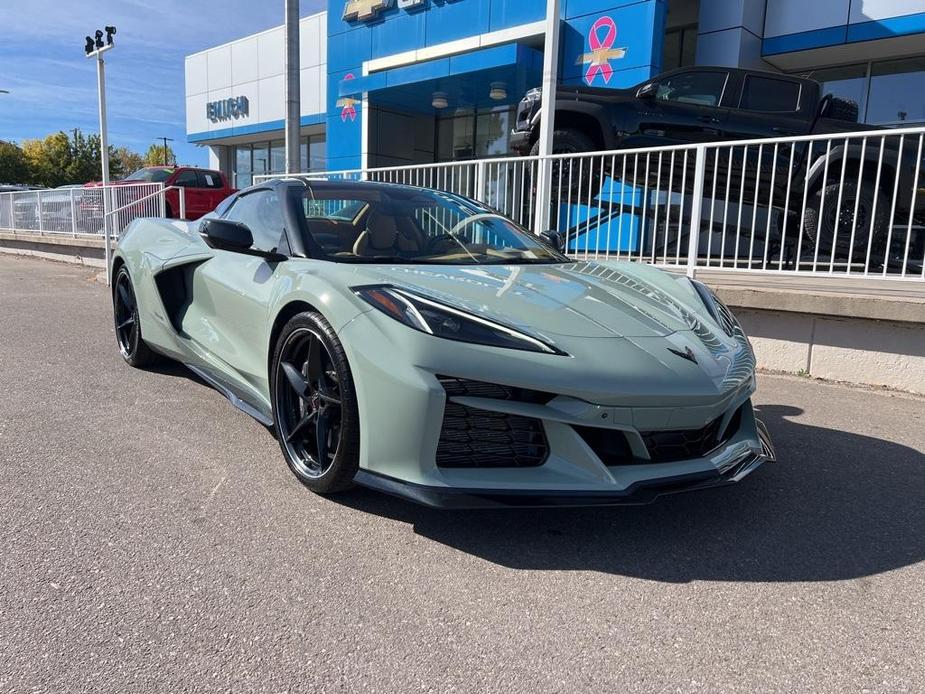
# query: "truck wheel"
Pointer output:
{"type": "Point", "coordinates": [565, 173]}
{"type": "Point", "coordinates": [820, 228]}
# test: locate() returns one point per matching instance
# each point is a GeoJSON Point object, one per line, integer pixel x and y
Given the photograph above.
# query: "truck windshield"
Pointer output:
{"type": "Point", "coordinates": [150, 175]}
{"type": "Point", "coordinates": [406, 225]}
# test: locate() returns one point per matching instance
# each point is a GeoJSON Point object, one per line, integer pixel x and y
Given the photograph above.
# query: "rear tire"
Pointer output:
{"type": "Point", "coordinates": [819, 224]}
{"type": "Point", "coordinates": [315, 405]}
{"type": "Point", "coordinates": [132, 346]}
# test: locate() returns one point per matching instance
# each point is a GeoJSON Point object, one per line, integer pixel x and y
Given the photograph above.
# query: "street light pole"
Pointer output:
{"type": "Point", "coordinates": [548, 115]}
{"type": "Point", "coordinates": [166, 140]}
{"type": "Point", "coordinates": [96, 50]}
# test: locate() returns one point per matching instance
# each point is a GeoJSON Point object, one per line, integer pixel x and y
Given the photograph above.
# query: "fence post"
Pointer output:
{"type": "Point", "coordinates": [162, 199]}
{"type": "Point", "coordinates": [73, 213]}
{"type": "Point", "coordinates": [39, 213]}
{"type": "Point", "coordinates": [182, 203]}
{"type": "Point", "coordinates": [543, 200]}
{"type": "Point", "coordinates": [481, 181]}
{"type": "Point", "coordinates": [693, 246]}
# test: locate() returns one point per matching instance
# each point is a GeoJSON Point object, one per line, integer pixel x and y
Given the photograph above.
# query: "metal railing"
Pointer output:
{"type": "Point", "coordinates": [80, 211]}
{"type": "Point", "coordinates": [850, 204]}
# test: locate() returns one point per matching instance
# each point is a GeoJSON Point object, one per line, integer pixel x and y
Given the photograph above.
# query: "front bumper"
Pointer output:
{"type": "Point", "coordinates": [521, 141]}
{"type": "Point", "coordinates": [639, 493]}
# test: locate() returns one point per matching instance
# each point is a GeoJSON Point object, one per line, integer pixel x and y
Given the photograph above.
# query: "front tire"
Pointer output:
{"type": "Point", "coordinates": [565, 173]}
{"type": "Point", "coordinates": [820, 226]}
{"type": "Point", "coordinates": [127, 323]}
{"type": "Point", "coordinates": [315, 411]}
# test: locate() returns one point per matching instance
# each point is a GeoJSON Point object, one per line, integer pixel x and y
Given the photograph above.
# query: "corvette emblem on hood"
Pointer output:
{"type": "Point", "coordinates": [688, 354]}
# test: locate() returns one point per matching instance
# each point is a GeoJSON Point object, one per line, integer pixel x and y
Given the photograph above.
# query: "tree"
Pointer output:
{"type": "Point", "coordinates": [155, 156]}
{"type": "Point", "coordinates": [49, 159]}
{"type": "Point", "coordinates": [127, 160]}
{"type": "Point", "coordinates": [14, 168]}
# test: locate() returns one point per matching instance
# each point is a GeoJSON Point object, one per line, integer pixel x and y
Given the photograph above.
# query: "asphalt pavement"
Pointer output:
{"type": "Point", "coordinates": [153, 540]}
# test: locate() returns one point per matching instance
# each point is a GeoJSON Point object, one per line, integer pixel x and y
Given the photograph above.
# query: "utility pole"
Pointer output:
{"type": "Point", "coordinates": [95, 49]}
{"type": "Point", "coordinates": [166, 140]}
{"type": "Point", "coordinates": [293, 87]}
{"type": "Point", "coordinates": [548, 114]}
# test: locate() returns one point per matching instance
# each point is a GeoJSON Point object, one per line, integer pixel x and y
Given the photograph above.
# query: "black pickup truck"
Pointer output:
{"type": "Point", "coordinates": [699, 105]}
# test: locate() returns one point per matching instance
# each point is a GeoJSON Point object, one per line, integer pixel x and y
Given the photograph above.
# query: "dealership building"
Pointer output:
{"type": "Point", "coordinates": [393, 82]}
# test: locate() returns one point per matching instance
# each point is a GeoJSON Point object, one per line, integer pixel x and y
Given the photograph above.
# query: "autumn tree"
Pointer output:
{"type": "Point", "coordinates": [13, 165]}
{"type": "Point", "coordinates": [128, 161]}
{"type": "Point", "coordinates": [158, 155]}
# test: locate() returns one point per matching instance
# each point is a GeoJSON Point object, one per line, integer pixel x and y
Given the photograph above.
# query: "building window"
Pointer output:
{"type": "Point", "coordinates": [467, 134]}
{"type": "Point", "coordinates": [896, 89]}
{"type": "Point", "coordinates": [679, 48]}
{"type": "Point", "coordinates": [270, 158]}
{"type": "Point", "coordinates": [887, 92]}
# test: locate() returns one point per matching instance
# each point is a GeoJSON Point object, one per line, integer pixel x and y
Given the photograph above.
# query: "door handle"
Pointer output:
{"type": "Point", "coordinates": [708, 119]}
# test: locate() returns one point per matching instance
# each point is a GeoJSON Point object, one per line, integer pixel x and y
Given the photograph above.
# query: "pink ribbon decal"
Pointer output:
{"type": "Point", "coordinates": [348, 104]}
{"type": "Point", "coordinates": [601, 49]}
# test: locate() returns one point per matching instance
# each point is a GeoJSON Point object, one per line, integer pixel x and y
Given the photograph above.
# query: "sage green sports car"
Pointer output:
{"type": "Point", "coordinates": [416, 342]}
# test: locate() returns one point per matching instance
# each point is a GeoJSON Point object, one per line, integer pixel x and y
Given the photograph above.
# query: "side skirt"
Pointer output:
{"type": "Point", "coordinates": [235, 399]}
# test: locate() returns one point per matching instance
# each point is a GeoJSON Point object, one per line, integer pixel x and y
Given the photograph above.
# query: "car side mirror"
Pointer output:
{"type": "Point", "coordinates": [647, 91]}
{"type": "Point", "coordinates": [225, 235]}
{"type": "Point", "coordinates": [553, 238]}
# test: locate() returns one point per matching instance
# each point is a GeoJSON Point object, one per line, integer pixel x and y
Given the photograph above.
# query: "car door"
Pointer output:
{"type": "Point", "coordinates": [196, 197]}
{"type": "Point", "coordinates": [211, 182]}
{"type": "Point", "coordinates": [232, 292]}
{"type": "Point", "coordinates": [686, 108]}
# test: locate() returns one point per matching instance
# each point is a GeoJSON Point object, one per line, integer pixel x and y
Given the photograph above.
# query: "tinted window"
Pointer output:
{"type": "Point", "coordinates": [262, 213]}
{"type": "Point", "coordinates": [209, 179]}
{"type": "Point", "coordinates": [187, 179]}
{"type": "Point", "coordinates": [151, 175]}
{"type": "Point", "coordinates": [700, 88]}
{"type": "Point", "coordinates": [769, 94]}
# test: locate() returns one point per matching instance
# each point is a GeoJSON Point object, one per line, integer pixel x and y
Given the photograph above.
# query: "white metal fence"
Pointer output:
{"type": "Point", "coordinates": [79, 211]}
{"type": "Point", "coordinates": [850, 204]}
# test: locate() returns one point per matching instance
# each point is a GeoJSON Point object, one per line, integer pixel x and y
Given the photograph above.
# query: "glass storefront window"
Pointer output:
{"type": "Point", "coordinates": [262, 158]}
{"type": "Point", "coordinates": [679, 48]}
{"type": "Point", "coordinates": [278, 157]}
{"type": "Point", "coordinates": [846, 82]}
{"type": "Point", "coordinates": [467, 135]}
{"type": "Point", "coordinates": [896, 88]}
{"type": "Point", "coordinates": [243, 167]}
{"type": "Point", "coordinates": [318, 153]}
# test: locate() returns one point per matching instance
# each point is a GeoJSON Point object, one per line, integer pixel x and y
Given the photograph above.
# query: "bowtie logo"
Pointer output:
{"type": "Point", "coordinates": [601, 39]}
{"type": "Point", "coordinates": [364, 9]}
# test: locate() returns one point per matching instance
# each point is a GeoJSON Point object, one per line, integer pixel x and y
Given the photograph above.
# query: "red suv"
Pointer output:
{"type": "Point", "coordinates": [205, 188]}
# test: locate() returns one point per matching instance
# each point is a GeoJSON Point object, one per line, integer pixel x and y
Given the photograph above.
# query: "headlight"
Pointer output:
{"type": "Point", "coordinates": [718, 310]}
{"type": "Point", "coordinates": [440, 320]}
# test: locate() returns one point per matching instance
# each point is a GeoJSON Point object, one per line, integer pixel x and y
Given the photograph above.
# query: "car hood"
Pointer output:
{"type": "Point", "coordinates": [584, 299]}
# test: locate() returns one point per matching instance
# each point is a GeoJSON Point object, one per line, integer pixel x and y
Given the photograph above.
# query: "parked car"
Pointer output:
{"type": "Point", "coordinates": [204, 188]}
{"type": "Point", "coordinates": [421, 344]}
{"type": "Point", "coordinates": [712, 104]}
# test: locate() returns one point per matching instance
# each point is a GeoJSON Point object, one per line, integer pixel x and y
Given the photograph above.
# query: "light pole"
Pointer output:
{"type": "Point", "coordinates": [293, 104]}
{"type": "Point", "coordinates": [166, 140]}
{"type": "Point", "coordinates": [95, 49]}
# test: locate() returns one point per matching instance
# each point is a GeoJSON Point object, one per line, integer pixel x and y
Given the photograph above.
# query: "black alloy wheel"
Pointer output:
{"type": "Point", "coordinates": [127, 323]}
{"type": "Point", "coordinates": [314, 405]}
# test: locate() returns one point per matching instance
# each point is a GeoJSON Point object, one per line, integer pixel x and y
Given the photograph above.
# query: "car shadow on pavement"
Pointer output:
{"type": "Point", "coordinates": [837, 506]}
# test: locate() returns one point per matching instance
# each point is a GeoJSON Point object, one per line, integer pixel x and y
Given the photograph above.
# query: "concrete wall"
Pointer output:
{"type": "Point", "coordinates": [855, 350]}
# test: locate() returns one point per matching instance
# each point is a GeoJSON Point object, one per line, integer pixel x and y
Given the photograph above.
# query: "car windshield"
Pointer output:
{"type": "Point", "coordinates": [405, 225]}
{"type": "Point", "coordinates": [150, 175]}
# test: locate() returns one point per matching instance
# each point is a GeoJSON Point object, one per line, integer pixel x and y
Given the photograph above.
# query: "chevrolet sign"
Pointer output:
{"type": "Point", "coordinates": [226, 109]}
{"type": "Point", "coordinates": [366, 10]}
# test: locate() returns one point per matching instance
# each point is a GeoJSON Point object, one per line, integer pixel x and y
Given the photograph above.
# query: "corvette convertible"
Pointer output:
{"type": "Point", "coordinates": [417, 342]}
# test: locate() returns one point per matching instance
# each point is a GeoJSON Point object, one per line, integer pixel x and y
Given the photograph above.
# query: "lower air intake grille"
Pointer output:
{"type": "Point", "coordinates": [668, 446]}
{"type": "Point", "coordinates": [474, 438]}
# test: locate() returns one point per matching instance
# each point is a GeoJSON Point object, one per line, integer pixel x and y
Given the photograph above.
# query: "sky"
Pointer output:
{"type": "Point", "coordinates": [53, 86]}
